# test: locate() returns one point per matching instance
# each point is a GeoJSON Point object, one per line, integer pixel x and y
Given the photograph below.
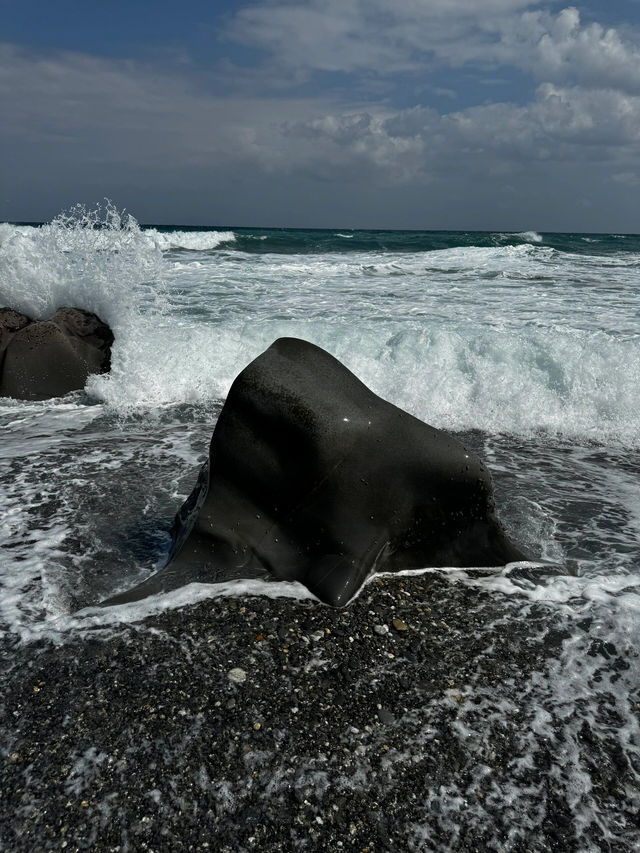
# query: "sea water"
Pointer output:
{"type": "Point", "coordinates": [525, 345]}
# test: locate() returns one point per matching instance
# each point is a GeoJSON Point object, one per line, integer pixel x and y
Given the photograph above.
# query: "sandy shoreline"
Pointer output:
{"type": "Point", "coordinates": [343, 731]}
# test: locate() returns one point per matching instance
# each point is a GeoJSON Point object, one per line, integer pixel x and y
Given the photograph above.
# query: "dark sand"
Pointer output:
{"type": "Point", "coordinates": [340, 738]}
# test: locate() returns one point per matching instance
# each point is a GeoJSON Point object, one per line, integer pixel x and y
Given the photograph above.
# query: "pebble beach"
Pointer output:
{"type": "Point", "coordinates": [412, 720]}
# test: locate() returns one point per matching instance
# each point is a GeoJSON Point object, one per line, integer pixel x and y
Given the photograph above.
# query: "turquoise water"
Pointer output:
{"type": "Point", "coordinates": [312, 241]}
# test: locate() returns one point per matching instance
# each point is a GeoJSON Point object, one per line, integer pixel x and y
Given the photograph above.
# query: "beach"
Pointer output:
{"type": "Point", "coordinates": [424, 717]}
{"type": "Point", "coordinates": [443, 710]}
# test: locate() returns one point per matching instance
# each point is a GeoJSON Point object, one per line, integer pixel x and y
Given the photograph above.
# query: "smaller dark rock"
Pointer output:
{"type": "Point", "coordinates": [40, 359]}
{"type": "Point", "coordinates": [385, 717]}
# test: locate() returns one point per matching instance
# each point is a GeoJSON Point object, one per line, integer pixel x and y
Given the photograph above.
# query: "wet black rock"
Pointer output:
{"type": "Point", "coordinates": [40, 359]}
{"type": "Point", "coordinates": [314, 478]}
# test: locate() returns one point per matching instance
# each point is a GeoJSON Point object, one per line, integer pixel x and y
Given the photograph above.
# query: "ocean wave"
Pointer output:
{"type": "Point", "coordinates": [529, 236]}
{"type": "Point", "coordinates": [513, 338]}
{"type": "Point", "coordinates": [523, 236]}
{"type": "Point", "coordinates": [196, 241]}
{"type": "Point", "coordinates": [521, 382]}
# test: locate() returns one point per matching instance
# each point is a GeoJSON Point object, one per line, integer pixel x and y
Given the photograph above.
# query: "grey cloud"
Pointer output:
{"type": "Point", "coordinates": [560, 124]}
{"type": "Point", "coordinates": [82, 124]}
{"type": "Point", "coordinates": [121, 111]}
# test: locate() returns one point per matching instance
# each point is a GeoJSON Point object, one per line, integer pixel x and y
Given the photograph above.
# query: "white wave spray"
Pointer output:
{"type": "Point", "coordinates": [506, 339]}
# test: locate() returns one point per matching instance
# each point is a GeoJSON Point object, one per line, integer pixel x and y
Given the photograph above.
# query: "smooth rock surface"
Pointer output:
{"type": "Point", "coordinates": [314, 478]}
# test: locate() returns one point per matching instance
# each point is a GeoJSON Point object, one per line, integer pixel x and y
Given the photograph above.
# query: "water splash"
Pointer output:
{"type": "Point", "coordinates": [95, 258]}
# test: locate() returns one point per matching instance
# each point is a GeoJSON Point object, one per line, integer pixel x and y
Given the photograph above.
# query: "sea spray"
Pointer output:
{"type": "Point", "coordinates": [96, 259]}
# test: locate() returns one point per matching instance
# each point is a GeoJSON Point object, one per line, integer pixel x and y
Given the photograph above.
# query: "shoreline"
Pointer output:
{"type": "Point", "coordinates": [276, 724]}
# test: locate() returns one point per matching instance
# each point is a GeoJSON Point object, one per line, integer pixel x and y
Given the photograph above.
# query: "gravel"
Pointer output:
{"type": "Point", "coordinates": [278, 725]}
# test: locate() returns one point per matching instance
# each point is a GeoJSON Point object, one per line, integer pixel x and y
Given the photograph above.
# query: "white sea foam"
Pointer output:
{"type": "Point", "coordinates": [199, 241]}
{"type": "Point", "coordinates": [458, 377]}
{"type": "Point", "coordinates": [60, 622]}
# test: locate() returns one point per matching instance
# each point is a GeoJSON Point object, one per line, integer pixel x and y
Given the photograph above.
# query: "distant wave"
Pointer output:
{"type": "Point", "coordinates": [345, 236]}
{"type": "Point", "coordinates": [196, 241]}
{"type": "Point", "coordinates": [529, 236]}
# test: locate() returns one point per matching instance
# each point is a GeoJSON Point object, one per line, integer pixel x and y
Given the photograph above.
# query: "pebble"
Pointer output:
{"type": "Point", "coordinates": [237, 675]}
{"type": "Point", "coordinates": [399, 625]}
{"type": "Point", "coordinates": [385, 717]}
{"type": "Point", "coordinates": [381, 629]}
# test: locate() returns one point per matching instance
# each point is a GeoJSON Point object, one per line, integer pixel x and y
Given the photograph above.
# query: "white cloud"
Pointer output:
{"type": "Point", "coordinates": [559, 48]}
{"type": "Point", "coordinates": [560, 125]}
{"type": "Point", "coordinates": [372, 35]}
{"type": "Point", "coordinates": [380, 38]}
{"type": "Point", "coordinates": [74, 116]}
{"type": "Point", "coordinates": [79, 108]}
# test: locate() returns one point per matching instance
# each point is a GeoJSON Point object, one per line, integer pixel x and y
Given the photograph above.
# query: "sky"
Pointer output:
{"type": "Point", "coordinates": [425, 114]}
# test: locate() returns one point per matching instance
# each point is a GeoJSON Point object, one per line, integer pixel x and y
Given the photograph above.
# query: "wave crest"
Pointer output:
{"type": "Point", "coordinates": [529, 236]}
{"type": "Point", "coordinates": [195, 241]}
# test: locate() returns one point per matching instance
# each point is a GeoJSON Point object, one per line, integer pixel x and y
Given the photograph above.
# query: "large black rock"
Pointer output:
{"type": "Point", "coordinates": [312, 477]}
{"type": "Point", "coordinates": [40, 359]}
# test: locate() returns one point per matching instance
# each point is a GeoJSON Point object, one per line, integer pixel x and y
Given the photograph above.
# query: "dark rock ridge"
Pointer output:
{"type": "Point", "coordinates": [312, 477]}
{"type": "Point", "coordinates": [48, 358]}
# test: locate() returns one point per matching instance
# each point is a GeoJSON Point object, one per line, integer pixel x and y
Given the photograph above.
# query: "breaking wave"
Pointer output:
{"type": "Point", "coordinates": [196, 241]}
{"type": "Point", "coordinates": [516, 339]}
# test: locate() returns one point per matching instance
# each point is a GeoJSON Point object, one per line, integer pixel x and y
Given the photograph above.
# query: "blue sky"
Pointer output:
{"type": "Point", "coordinates": [501, 114]}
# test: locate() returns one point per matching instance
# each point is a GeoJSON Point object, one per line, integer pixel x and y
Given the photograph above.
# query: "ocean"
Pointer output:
{"type": "Point", "coordinates": [524, 345]}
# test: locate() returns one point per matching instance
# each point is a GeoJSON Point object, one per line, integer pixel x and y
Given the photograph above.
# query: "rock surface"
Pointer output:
{"type": "Point", "coordinates": [40, 359]}
{"type": "Point", "coordinates": [312, 477]}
